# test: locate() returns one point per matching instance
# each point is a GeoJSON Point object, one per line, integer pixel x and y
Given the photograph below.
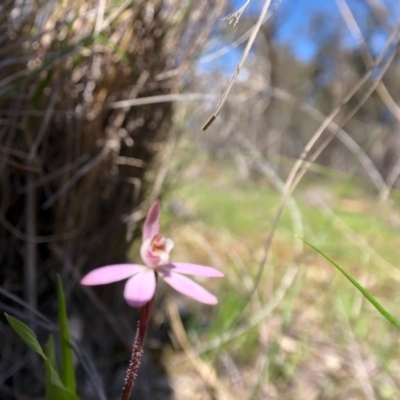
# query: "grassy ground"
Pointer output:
{"type": "Point", "coordinates": [305, 332]}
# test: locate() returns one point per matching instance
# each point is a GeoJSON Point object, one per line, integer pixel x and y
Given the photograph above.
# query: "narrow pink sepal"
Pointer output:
{"type": "Point", "coordinates": [140, 289]}
{"type": "Point", "coordinates": [188, 287]}
{"type": "Point", "coordinates": [152, 223]}
{"type": "Point", "coordinates": [110, 274]}
{"type": "Point", "coordinates": [193, 269]}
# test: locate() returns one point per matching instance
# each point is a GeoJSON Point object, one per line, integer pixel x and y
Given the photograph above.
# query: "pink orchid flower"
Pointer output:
{"type": "Point", "coordinates": [155, 249]}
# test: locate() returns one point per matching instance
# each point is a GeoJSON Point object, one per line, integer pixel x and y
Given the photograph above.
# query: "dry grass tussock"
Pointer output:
{"type": "Point", "coordinates": [75, 162]}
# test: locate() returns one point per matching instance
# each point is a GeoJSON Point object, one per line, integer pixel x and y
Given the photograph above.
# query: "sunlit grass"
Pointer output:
{"type": "Point", "coordinates": [322, 324]}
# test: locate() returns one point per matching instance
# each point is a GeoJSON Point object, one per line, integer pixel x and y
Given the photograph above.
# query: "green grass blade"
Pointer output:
{"type": "Point", "coordinates": [362, 289]}
{"type": "Point", "coordinates": [51, 390]}
{"type": "Point", "coordinates": [58, 388]}
{"type": "Point", "coordinates": [26, 334]}
{"type": "Point", "coordinates": [67, 364]}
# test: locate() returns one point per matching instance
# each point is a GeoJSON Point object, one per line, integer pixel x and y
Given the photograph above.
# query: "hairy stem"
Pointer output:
{"type": "Point", "coordinates": [137, 349]}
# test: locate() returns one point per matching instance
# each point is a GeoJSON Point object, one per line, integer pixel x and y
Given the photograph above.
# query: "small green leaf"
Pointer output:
{"type": "Point", "coordinates": [67, 364]}
{"type": "Point", "coordinates": [362, 289]}
{"type": "Point", "coordinates": [52, 377]}
{"type": "Point", "coordinates": [26, 334]}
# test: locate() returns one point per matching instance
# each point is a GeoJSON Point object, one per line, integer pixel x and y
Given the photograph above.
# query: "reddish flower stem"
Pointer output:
{"type": "Point", "coordinates": [137, 350]}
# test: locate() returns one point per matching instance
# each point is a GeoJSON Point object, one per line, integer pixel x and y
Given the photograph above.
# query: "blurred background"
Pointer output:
{"type": "Point", "coordinates": [102, 105]}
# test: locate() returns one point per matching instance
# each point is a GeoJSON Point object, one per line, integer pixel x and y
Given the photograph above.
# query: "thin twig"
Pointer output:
{"type": "Point", "coordinates": [78, 175]}
{"type": "Point", "coordinates": [36, 239]}
{"type": "Point", "coordinates": [163, 98]}
{"type": "Point", "coordinates": [30, 272]}
{"type": "Point", "coordinates": [234, 17]}
{"type": "Point", "coordinates": [246, 52]}
{"type": "Point", "coordinates": [99, 17]}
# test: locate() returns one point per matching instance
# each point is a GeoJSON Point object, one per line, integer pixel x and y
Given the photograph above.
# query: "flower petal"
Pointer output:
{"type": "Point", "coordinates": [187, 287]}
{"type": "Point", "coordinates": [152, 224]}
{"type": "Point", "coordinates": [169, 245]}
{"type": "Point", "coordinates": [111, 273]}
{"type": "Point", "coordinates": [193, 269]}
{"type": "Point", "coordinates": [140, 289]}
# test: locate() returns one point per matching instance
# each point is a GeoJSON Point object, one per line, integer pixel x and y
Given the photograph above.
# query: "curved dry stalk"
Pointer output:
{"type": "Point", "coordinates": [296, 173]}
{"type": "Point", "coordinates": [342, 135]}
{"type": "Point", "coordinates": [390, 181]}
{"type": "Point", "coordinates": [267, 170]}
{"type": "Point", "coordinates": [205, 371]}
{"type": "Point", "coordinates": [367, 58]}
{"type": "Point", "coordinates": [349, 116]}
